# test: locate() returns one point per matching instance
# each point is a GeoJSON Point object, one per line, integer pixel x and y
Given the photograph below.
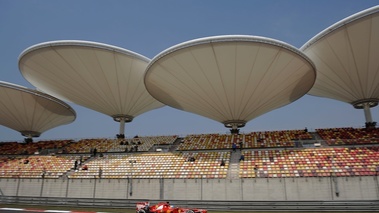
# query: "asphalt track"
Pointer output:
{"type": "Point", "coordinates": [19, 210]}
{"type": "Point", "coordinates": [35, 210]}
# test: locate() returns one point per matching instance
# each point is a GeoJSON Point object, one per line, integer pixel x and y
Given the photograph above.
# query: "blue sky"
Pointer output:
{"type": "Point", "coordinates": [149, 27]}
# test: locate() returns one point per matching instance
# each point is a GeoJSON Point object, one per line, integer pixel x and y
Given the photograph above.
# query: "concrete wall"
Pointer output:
{"type": "Point", "coordinates": [54, 188]}
{"type": "Point", "coordinates": [111, 188]}
{"type": "Point", "coordinates": [30, 187]}
{"type": "Point", "coordinates": [81, 188]}
{"type": "Point", "coordinates": [254, 189]}
{"type": "Point", "coordinates": [9, 186]}
{"type": "Point", "coordinates": [144, 188]}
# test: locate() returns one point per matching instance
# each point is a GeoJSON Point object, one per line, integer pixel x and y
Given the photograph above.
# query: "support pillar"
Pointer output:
{"type": "Point", "coordinates": [122, 126]}
{"type": "Point", "coordinates": [367, 111]}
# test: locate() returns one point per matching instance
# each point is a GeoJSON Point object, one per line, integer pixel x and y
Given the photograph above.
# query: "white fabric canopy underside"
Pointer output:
{"type": "Point", "coordinates": [230, 78]}
{"type": "Point", "coordinates": [346, 56]}
{"type": "Point", "coordinates": [104, 78]}
{"type": "Point", "coordinates": [26, 110]}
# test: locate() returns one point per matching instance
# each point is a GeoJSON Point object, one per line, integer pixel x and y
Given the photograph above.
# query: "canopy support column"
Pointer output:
{"type": "Point", "coordinates": [234, 125]}
{"type": "Point", "coordinates": [366, 104]}
{"type": "Point", "coordinates": [367, 111]}
{"type": "Point", "coordinates": [122, 126]}
{"type": "Point", "coordinates": [122, 119]}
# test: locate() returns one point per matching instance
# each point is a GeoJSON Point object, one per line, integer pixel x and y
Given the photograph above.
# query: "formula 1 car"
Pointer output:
{"type": "Point", "coordinates": [164, 207]}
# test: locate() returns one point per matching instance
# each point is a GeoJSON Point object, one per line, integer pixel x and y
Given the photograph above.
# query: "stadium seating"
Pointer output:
{"type": "Point", "coordinates": [157, 165]}
{"type": "Point", "coordinates": [272, 152]}
{"type": "Point", "coordinates": [14, 148]}
{"type": "Point", "coordinates": [104, 145]}
{"type": "Point", "coordinates": [349, 136]}
{"type": "Point", "coordinates": [268, 139]}
{"type": "Point", "coordinates": [316, 162]}
{"type": "Point", "coordinates": [35, 166]}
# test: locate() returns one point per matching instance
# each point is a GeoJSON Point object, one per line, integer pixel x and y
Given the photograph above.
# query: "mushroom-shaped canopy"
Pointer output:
{"type": "Point", "coordinates": [230, 79]}
{"type": "Point", "coordinates": [31, 112]}
{"type": "Point", "coordinates": [101, 77]}
{"type": "Point", "coordinates": [346, 56]}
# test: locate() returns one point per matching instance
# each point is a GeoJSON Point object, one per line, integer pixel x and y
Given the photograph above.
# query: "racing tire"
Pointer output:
{"type": "Point", "coordinates": [141, 211]}
{"type": "Point", "coordinates": [189, 211]}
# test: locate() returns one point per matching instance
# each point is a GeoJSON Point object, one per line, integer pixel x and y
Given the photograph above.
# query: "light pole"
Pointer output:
{"type": "Point", "coordinates": [131, 177]}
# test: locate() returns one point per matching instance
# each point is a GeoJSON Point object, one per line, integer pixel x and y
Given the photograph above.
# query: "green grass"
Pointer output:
{"type": "Point", "coordinates": [121, 210]}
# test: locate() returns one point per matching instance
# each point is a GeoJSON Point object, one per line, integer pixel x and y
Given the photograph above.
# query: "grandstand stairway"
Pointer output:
{"type": "Point", "coordinates": [234, 165]}
{"type": "Point", "coordinates": [72, 170]}
{"type": "Point", "coordinates": [175, 145]}
{"type": "Point", "coordinates": [318, 138]}
{"type": "Point", "coordinates": [167, 147]}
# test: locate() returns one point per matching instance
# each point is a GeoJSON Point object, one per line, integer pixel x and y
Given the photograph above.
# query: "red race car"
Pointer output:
{"type": "Point", "coordinates": [164, 207]}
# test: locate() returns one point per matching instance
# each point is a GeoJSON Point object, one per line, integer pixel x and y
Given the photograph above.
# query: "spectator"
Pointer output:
{"type": "Point", "coordinates": [234, 147]}
{"type": "Point", "coordinates": [76, 164]}
{"type": "Point", "coordinates": [43, 173]}
{"type": "Point", "coordinates": [85, 167]}
{"type": "Point", "coordinates": [256, 170]}
{"type": "Point", "coordinates": [242, 157]}
{"type": "Point", "coordinates": [100, 172]}
{"type": "Point", "coordinates": [222, 162]}
{"type": "Point", "coordinates": [241, 145]}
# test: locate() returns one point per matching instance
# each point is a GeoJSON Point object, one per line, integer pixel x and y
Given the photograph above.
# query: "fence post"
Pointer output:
{"type": "Point", "coordinates": [94, 188]}
{"type": "Point", "coordinates": [18, 186]}
{"type": "Point", "coordinates": [67, 187]}
{"type": "Point", "coordinates": [43, 182]}
{"type": "Point", "coordinates": [161, 189]}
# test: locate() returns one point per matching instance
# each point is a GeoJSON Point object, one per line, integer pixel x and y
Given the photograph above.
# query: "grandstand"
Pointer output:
{"type": "Point", "coordinates": [289, 167]}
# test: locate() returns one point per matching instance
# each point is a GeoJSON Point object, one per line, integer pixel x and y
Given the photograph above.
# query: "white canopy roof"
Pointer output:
{"type": "Point", "coordinates": [31, 112]}
{"type": "Point", "coordinates": [346, 56]}
{"type": "Point", "coordinates": [101, 77]}
{"type": "Point", "coordinates": [231, 79]}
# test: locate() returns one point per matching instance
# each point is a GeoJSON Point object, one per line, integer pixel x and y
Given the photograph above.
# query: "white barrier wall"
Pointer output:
{"type": "Point", "coordinates": [9, 186]}
{"type": "Point", "coordinates": [144, 189]}
{"type": "Point", "coordinates": [111, 188]}
{"type": "Point", "coordinates": [81, 188]}
{"type": "Point", "coordinates": [184, 189]}
{"type": "Point", "coordinates": [30, 187]}
{"type": "Point", "coordinates": [254, 189]}
{"type": "Point", "coordinates": [54, 188]}
{"type": "Point", "coordinates": [308, 189]}
{"type": "Point", "coordinates": [364, 188]}
{"type": "Point", "coordinates": [264, 189]}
